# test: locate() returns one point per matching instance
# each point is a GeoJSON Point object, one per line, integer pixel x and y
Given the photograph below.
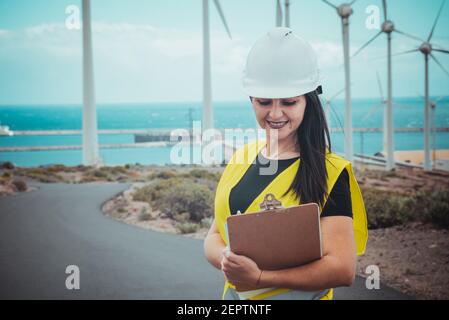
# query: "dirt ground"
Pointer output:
{"type": "Point", "coordinates": [404, 180]}
{"type": "Point", "coordinates": [413, 258]}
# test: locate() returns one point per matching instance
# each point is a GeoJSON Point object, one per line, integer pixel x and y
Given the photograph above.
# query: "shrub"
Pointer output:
{"type": "Point", "coordinates": [154, 191]}
{"type": "Point", "coordinates": [99, 173]}
{"type": "Point", "coordinates": [7, 165]}
{"type": "Point", "coordinates": [203, 174]}
{"type": "Point", "coordinates": [119, 170]}
{"type": "Point", "coordinates": [387, 209]}
{"type": "Point", "coordinates": [180, 198]}
{"type": "Point", "coordinates": [436, 208]}
{"type": "Point", "coordinates": [187, 227]}
{"type": "Point", "coordinates": [20, 185]}
{"type": "Point", "coordinates": [207, 222]}
{"type": "Point", "coordinates": [196, 199]}
{"type": "Point", "coordinates": [6, 175]}
{"type": "Point", "coordinates": [121, 210]}
{"type": "Point", "coordinates": [144, 215]}
{"type": "Point", "coordinates": [164, 174]}
{"type": "Point", "coordinates": [181, 217]}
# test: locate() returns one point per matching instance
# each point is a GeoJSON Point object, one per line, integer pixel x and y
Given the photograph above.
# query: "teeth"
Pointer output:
{"type": "Point", "coordinates": [277, 124]}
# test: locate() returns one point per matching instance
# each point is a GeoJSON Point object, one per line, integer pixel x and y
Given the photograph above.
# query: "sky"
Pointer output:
{"type": "Point", "coordinates": [151, 50]}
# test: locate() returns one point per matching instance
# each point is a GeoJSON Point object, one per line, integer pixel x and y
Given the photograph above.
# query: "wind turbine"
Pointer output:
{"type": "Point", "coordinates": [208, 117]}
{"type": "Point", "coordinates": [90, 133]}
{"type": "Point", "coordinates": [426, 49]}
{"type": "Point", "coordinates": [345, 11]}
{"type": "Point", "coordinates": [388, 28]}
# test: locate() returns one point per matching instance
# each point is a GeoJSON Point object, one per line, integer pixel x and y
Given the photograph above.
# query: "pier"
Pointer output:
{"type": "Point", "coordinates": [148, 138]}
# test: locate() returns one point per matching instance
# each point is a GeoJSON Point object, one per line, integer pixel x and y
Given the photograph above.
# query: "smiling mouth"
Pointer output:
{"type": "Point", "coordinates": [276, 124]}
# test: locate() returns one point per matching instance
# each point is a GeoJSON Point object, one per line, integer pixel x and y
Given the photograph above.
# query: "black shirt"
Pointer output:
{"type": "Point", "coordinates": [253, 183]}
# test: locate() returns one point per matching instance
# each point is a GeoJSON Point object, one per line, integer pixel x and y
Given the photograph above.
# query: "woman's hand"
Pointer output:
{"type": "Point", "coordinates": [239, 269]}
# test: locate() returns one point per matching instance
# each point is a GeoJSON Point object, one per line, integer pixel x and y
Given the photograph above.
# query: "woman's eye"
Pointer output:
{"type": "Point", "coordinates": [265, 103]}
{"type": "Point", "coordinates": [289, 103]}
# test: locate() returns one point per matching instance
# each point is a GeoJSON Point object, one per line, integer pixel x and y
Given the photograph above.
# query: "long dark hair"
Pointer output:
{"type": "Point", "coordinates": [310, 182]}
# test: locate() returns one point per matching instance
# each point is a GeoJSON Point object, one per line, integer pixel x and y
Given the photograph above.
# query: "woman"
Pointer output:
{"type": "Point", "coordinates": [282, 80]}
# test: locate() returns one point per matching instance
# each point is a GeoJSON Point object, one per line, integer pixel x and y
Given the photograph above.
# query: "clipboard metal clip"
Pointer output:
{"type": "Point", "coordinates": [270, 202]}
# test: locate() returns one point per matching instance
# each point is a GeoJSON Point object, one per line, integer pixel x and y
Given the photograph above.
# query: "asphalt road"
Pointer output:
{"type": "Point", "coordinates": [44, 231]}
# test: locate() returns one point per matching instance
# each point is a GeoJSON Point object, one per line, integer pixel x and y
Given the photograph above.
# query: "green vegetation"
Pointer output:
{"type": "Point", "coordinates": [194, 199]}
{"type": "Point", "coordinates": [144, 215]}
{"type": "Point", "coordinates": [20, 185]}
{"type": "Point", "coordinates": [187, 227]}
{"type": "Point", "coordinates": [385, 209]}
{"type": "Point", "coordinates": [186, 197]}
{"type": "Point", "coordinates": [436, 208]}
{"type": "Point", "coordinates": [7, 165]}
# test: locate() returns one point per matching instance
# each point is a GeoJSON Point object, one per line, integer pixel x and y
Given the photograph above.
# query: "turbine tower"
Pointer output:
{"type": "Point", "coordinates": [388, 28]}
{"type": "Point", "coordinates": [345, 11]}
{"type": "Point", "coordinates": [278, 13]}
{"type": "Point", "coordinates": [426, 48]}
{"type": "Point", "coordinates": [208, 117]}
{"type": "Point", "coordinates": [90, 135]}
{"type": "Point", "coordinates": [287, 13]}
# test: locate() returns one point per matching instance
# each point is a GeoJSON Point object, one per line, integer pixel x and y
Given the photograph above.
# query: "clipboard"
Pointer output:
{"type": "Point", "coordinates": [276, 237]}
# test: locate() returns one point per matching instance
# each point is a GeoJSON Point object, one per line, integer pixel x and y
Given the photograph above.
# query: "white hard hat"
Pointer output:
{"type": "Point", "coordinates": [281, 65]}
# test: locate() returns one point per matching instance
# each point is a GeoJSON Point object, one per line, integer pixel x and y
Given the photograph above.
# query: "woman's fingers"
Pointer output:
{"type": "Point", "coordinates": [225, 262]}
{"type": "Point", "coordinates": [226, 251]}
{"type": "Point", "coordinates": [231, 256]}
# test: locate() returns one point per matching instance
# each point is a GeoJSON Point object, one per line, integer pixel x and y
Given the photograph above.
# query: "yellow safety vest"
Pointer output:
{"type": "Point", "coordinates": [239, 164]}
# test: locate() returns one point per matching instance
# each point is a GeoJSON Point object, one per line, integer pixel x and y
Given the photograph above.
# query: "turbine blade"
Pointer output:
{"type": "Point", "coordinates": [380, 86]}
{"type": "Point", "coordinates": [436, 21]}
{"type": "Point", "coordinates": [384, 5]}
{"type": "Point", "coordinates": [278, 14]}
{"type": "Point", "coordinates": [330, 4]}
{"type": "Point", "coordinates": [441, 50]}
{"type": "Point", "coordinates": [404, 52]}
{"type": "Point", "coordinates": [223, 19]}
{"type": "Point", "coordinates": [372, 111]}
{"type": "Point", "coordinates": [352, 2]}
{"type": "Point", "coordinates": [409, 35]}
{"type": "Point", "coordinates": [438, 62]}
{"type": "Point", "coordinates": [367, 43]}
{"type": "Point", "coordinates": [337, 94]}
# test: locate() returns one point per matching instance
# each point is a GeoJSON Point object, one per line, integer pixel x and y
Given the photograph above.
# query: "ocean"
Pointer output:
{"type": "Point", "coordinates": [408, 113]}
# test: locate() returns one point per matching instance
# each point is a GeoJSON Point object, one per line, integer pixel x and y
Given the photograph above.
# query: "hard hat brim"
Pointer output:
{"type": "Point", "coordinates": [279, 93]}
